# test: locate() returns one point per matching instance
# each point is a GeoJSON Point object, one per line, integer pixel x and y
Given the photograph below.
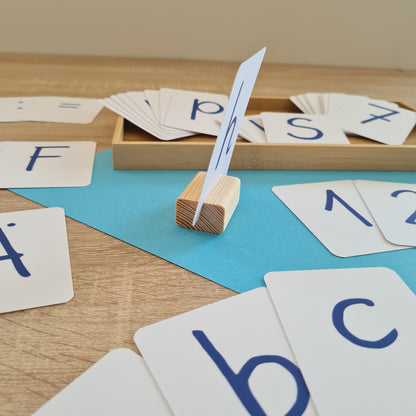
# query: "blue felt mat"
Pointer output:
{"type": "Point", "coordinates": [263, 235]}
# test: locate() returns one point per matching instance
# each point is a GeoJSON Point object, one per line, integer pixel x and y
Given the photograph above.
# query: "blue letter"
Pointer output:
{"type": "Point", "coordinates": [257, 125]}
{"type": "Point", "coordinates": [318, 134]}
{"type": "Point", "coordinates": [331, 195]}
{"type": "Point", "coordinates": [196, 108]}
{"type": "Point", "coordinates": [36, 155]}
{"type": "Point", "coordinates": [338, 321]}
{"type": "Point", "coordinates": [383, 116]}
{"type": "Point", "coordinates": [12, 254]}
{"type": "Point", "coordinates": [412, 218]}
{"type": "Point", "coordinates": [239, 381]}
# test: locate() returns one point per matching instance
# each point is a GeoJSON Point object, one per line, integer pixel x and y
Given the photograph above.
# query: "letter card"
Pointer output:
{"type": "Point", "coordinates": [353, 333]}
{"type": "Point", "coordinates": [34, 259]}
{"type": "Point", "coordinates": [224, 358]}
{"type": "Point", "coordinates": [118, 384]}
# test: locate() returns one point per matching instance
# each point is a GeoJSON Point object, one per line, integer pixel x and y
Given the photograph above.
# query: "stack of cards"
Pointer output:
{"type": "Point", "coordinates": [353, 218]}
{"type": "Point", "coordinates": [378, 120]}
{"type": "Point", "coordinates": [327, 342]}
{"type": "Point", "coordinates": [49, 109]}
{"type": "Point", "coordinates": [170, 114]}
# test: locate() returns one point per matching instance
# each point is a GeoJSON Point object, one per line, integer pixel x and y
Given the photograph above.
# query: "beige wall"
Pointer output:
{"type": "Point", "coordinates": [368, 33]}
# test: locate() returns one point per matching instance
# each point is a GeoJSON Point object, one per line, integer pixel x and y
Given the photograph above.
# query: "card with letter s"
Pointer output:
{"type": "Point", "coordinates": [353, 334]}
{"type": "Point", "coordinates": [228, 358]}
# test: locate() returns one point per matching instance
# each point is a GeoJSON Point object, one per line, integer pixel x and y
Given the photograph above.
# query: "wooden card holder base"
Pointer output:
{"type": "Point", "coordinates": [217, 209]}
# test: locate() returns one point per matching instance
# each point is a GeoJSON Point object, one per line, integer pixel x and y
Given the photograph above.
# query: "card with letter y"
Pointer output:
{"type": "Point", "coordinates": [353, 334]}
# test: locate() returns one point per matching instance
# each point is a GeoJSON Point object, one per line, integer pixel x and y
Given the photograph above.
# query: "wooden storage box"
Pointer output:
{"type": "Point", "coordinates": [133, 148]}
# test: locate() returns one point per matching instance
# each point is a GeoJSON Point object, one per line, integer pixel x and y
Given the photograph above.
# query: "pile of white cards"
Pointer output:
{"type": "Point", "coordinates": [352, 218]}
{"type": "Point", "coordinates": [328, 342]}
{"type": "Point", "coordinates": [169, 113]}
{"type": "Point", "coordinates": [49, 109]}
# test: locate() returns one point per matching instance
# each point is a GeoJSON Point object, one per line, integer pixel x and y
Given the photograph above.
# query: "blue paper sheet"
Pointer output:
{"type": "Point", "coordinates": [263, 235]}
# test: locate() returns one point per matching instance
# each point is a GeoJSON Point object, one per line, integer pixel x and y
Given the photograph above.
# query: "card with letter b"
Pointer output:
{"type": "Point", "coordinates": [228, 358]}
{"type": "Point", "coordinates": [353, 334]}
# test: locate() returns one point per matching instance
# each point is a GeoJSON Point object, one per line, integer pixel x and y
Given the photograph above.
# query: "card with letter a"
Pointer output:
{"type": "Point", "coordinates": [353, 334]}
{"type": "Point", "coordinates": [46, 164]}
{"type": "Point", "coordinates": [228, 358]}
{"type": "Point", "coordinates": [35, 268]}
{"type": "Point", "coordinates": [118, 384]}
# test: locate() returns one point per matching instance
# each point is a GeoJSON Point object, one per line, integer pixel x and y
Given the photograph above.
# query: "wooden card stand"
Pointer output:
{"type": "Point", "coordinates": [217, 209]}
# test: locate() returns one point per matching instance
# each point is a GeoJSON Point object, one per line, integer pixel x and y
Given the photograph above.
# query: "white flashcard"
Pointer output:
{"type": "Point", "coordinates": [46, 164]}
{"type": "Point", "coordinates": [195, 111]}
{"type": "Point", "coordinates": [118, 384]}
{"type": "Point", "coordinates": [301, 129]}
{"type": "Point", "coordinates": [376, 120]}
{"type": "Point", "coordinates": [224, 145]}
{"type": "Point", "coordinates": [13, 108]}
{"type": "Point", "coordinates": [393, 207]}
{"type": "Point", "coordinates": [228, 358]}
{"type": "Point", "coordinates": [64, 110]}
{"type": "Point", "coordinates": [335, 213]}
{"type": "Point", "coordinates": [354, 336]}
{"type": "Point", "coordinates": [35, 268]}
{"type": "Point", "coordinates": [252, 129]}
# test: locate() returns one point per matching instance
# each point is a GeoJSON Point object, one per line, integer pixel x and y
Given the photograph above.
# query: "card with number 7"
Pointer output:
{"type": "Point", "coordinates": [336, 214]}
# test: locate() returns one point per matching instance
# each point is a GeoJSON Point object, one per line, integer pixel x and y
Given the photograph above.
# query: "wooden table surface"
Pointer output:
{"type": "Point", "coordinates": [119, 288]}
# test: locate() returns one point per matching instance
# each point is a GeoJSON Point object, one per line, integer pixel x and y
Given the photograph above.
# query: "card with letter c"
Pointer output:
{"type": "Point", "coordinates": [228, 358]}
{"type": "Point", "coordinates": [353, 334]}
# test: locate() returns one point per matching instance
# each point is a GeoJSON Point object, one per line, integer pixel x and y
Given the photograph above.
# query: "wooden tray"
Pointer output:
{"type": "Point", "coordinates": [133, 148]}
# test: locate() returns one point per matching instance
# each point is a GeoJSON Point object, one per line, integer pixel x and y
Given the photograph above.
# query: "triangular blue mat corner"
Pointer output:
{"type": "Point", "coordinates": [138, 207]}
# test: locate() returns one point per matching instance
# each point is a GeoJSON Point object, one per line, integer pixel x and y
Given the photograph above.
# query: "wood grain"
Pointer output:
{"type": "Point", "coordinates": [119, 288]}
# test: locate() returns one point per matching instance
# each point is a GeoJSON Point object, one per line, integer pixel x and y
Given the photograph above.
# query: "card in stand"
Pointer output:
{"type": "Point", "coordinates": [118, 384]}
{"type": "Point", "coordinates": [336, 214]}
{"type": "Point", "coordinates": [230, 357]}
{"type": "Point", "coordinates": [393, 207]}
{"type": "Point", "coordinates": [35, 268]}
{"type": "Point", "coordinates": [353, 334]}
{"type": "Point", "coordinates": [46, 164]}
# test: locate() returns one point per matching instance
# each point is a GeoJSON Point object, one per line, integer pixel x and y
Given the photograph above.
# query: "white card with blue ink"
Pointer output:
{"type": "Point", "coordinates": [118, 384]}
{"type": "Point", "coordinates": [46, 164]}
{"type": "Point", "coordinates": [195, 111]}
{"type": "Point", "coordinates": [228, 358]}
{"type": "Point", "coordinates": [336, 214]}
{"type": "Point", "coordinates": [35, 268]}
{"type": "Point", "coordinates": [393, 207]}
{"type": "Point", "coordinates": [353, 334]}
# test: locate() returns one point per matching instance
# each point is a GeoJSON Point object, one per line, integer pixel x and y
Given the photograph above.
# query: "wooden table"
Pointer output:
{"type": "Point", "coordinates": [119, 288]}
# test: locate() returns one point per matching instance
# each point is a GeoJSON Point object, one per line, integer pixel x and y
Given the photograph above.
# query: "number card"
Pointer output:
{"type": "Point", "coordinates": [335, 213]}
{"type": "Point", "coordinates": [227, 358]}
{"type": "Point", "coordinates": [118, 384]}
{"type": "Point", "coordinates": [34, 259]}
{"type": "Point", "coordinates": [299, 128]}
{"type": "Point", "coordinates": [393, 207]}
{"type": "Point", "coordinates": [353, 334]}
{"type": "Point", "coordinates": [230, 126]}
{"type": "Point", "coordinates": [46, 164]}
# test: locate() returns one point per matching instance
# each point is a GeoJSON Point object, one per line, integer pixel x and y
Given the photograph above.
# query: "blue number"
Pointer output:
{"type": "Point", "coordinates": [197, 107]}
{"type": "Point", "coordinates": [230, 128]}
{"type": "Point", "coordinates": [239, 381]}
{"type": "Point", "coordinates": [412, 218]}
{"type": "Point", "coordinates": [317, 136]}
{"type": "Point", "coordinates": [12, 254]}
{"type": "Point", "coordinates": [338, 321]}
{"type": "Point", "coordinates": [331, 195]}
{"type": "Point", "coordinates": [382, 116]}
{"type": "Point", "coordinates": [36, 155]}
